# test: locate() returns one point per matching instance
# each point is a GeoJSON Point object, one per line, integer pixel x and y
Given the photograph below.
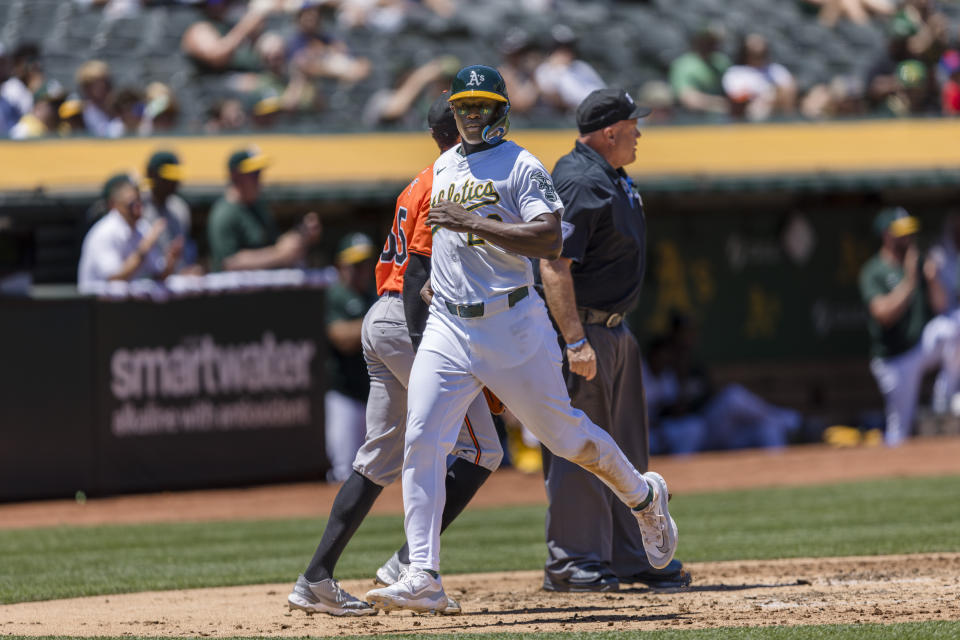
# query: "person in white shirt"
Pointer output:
{"type": "Point", "coordinates": [563, 79]}
{"type": "Point", "coordinates": [758, 88]}
{"type": "Point", "coordinates": [121, 245]}
{"type": "Point", "coordinates": [27, 75]}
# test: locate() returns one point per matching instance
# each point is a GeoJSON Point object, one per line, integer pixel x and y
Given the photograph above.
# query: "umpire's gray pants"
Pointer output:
{"type": "Point", "coordinates": [389, 355]}
{"type": "Point", "coordinates": [586, 525]}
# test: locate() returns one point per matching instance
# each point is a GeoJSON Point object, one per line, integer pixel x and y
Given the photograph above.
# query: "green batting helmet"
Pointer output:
{"type": "Point", "coordinates": [479, 81]}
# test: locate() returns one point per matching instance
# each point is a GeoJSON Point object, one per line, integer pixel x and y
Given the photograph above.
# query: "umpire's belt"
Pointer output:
{"type": "Point", "coordinates": [595, 316]}
{"type": "Point", "coordinates": [477, 309]}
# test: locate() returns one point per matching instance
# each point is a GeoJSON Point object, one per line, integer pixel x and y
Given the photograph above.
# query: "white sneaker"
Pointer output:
{"type": "Point", "coordinates": [657, 527]}
{"type": "Point", "coordinates": [326, 596]}
{"type": "Point", "coordinates": [390, 572]}
{"type": "Point", "coordinates": [416, 590]}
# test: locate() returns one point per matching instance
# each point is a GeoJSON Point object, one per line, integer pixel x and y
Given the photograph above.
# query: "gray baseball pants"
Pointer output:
{"type": "Point", "coordinates": [587, 525]}
{"type": "Point", "coordinates": [389, 355]}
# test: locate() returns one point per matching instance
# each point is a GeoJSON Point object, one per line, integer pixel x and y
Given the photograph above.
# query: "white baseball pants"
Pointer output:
{"type": "Point", "coordinates": [899, 377]}
{"type": "Point", "coordinates": [515, 353]}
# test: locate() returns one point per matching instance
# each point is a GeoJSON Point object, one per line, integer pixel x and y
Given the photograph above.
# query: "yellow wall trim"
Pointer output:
{"type": "Point", "coordinates": [717, 150]}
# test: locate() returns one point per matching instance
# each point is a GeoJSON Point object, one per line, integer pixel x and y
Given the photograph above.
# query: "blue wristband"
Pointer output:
{"type": "Point", "coordinates": [579, 343]}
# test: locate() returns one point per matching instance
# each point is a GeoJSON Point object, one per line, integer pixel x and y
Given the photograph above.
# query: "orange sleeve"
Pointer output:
{"type": "Point", "coordinates": [419, 237]}
{"type": "Point", "coordinates": [408, 233]}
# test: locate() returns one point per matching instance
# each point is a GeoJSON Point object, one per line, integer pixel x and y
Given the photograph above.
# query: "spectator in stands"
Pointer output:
{"type": "Point", "coordinates": [882, 77]}
{"type": "Point", "coordinates": [71, 116]}
{"type": "Point", "coordinates": [858, 11]}
{"type": "Point", "coordinates": [696, 75]}
{"type": "Point", "coordinates": [387, 16]}
{"type": "Point", "coordinates": [925, 29]}
{"type": "Point", "coordinates": [658, 96]}
{"type": "Point", "coordinates": [756, 87]}
{"type": "Point", "coordinates": [161, 111]}
{"type": "Point", "coordinates": [285, 81]}
{"type": "Point", "coordinates": [904, 297]}
{"type": "Point", "coordinates": [226, 116]}
{"type": "Point", "coordinates": [843, 96]}
{"type": "Point", "coordinates": [520, 61]}
{"type": "Point", "coordinates": [317, 54]}
{"type": "Point", "coordinates": [216, 45]}
{"type": "Point", "coordinates": [265, 110]}
{"type": "Point", "coordinates": [563, 79]}
{"type": "Point", "coordinates": [42, 119]}
{"type": "Point", "coordinates": [95, 85]}
{"type": "Point", "coordinates": [121, 245]}
{"type": "Point", "coordinates": [347, 383]}
{"type": "Point", "coordinates": [413, 95]}
{"type": "Point", "coordinates": [913, 92]}
{"type": "Point", "coordinates": [162, 202]}
{"type": "Point", "coordinates": [950, 91]}
{"type": "Point", "coordinates": [241, 231]}
{"type": "Point", "coordinates": [690, 414]}
{"type": "Point", "coordinates": [127, 104]}
{"type": "Point", "coordinates": [8, 113]}
{"type": "Point", "coordinates": [26, 77]}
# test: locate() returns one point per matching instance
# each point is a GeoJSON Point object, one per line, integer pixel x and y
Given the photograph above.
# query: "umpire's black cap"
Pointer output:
{"type": "Point", "coordinates": [604, 107]}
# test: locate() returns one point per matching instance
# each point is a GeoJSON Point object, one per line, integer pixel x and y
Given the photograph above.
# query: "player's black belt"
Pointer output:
{"type": "Point", "coordinates": [595, 316]}
{"type": "Point", "coordinates": [475, 310]}
{"type": "Point", "coordinates": [393, 294]}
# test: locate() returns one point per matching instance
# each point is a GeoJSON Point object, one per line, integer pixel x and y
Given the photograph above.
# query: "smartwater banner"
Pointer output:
{"type": "Point", "coordinates": [210, 390]}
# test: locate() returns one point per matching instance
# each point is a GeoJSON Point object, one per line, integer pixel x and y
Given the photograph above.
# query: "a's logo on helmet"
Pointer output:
{"type": "Point", "coordinates": [475, 79]}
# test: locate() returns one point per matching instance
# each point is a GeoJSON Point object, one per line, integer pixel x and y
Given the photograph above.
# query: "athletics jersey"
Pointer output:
{"type": "Point", "coordinates": [505, 183]}
{"type": "Point", "coordinates": [408, 234]}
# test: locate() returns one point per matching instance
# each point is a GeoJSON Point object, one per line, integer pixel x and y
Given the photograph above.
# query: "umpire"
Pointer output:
{"type": "Point", "coordinates": [588, 290]}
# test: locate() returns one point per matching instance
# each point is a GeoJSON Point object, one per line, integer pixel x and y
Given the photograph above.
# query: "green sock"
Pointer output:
{"type": "Point", "coordinates": [646, 501]}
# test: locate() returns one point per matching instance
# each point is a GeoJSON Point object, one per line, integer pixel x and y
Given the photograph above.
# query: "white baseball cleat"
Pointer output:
{"type": "Point", "coordinates": [658, 529]}
{"type": "Point", "coordinates": [326, 596]}
{"type": "Point", "coordinates": [416, 590]}
{"type": "Point", "coordinates": [390, 572]}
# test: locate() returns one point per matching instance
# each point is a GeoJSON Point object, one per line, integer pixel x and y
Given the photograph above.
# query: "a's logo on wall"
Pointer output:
{"type": "Point", "coordinates": [475, 79]}
{"type": "Point", "coordinates": [545, 184]}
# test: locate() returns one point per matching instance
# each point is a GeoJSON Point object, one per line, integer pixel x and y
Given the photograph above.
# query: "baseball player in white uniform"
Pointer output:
{"type": "Point", "coordinates": [493, 207]}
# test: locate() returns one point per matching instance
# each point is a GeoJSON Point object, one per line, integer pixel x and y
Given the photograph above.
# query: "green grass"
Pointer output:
{"type": "Point", "coordinates": [868, 518]}
{"type": "Point", "coordinates": [903, 631]}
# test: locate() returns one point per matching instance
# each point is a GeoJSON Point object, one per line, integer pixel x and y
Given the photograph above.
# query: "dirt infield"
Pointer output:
{"type": "Point", "coordinates": [746, 593]}
{"type": "Point", "coordinates": [783, 592]}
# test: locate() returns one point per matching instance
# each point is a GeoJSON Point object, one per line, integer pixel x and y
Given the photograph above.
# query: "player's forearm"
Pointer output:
{"type": "Point", "coordinates": [345, 335]}
{"type": "Point", "coordinates": [251, 259]}
{"type": "Point", "coordinates": [129, 266]}
{"type": "Point", "coordinates": [415, 310]}
{"type": "Point", "coordinates": [540, 238]}
{"type": "Point", "coordinates": [561, 298]}
{"type": "Point", "coordinates": [889, 308]}
{"type": "Point", "coordinates": [936, 295]}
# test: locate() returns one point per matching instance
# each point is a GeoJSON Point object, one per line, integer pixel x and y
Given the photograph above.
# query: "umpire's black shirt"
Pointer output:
{"type": "Point", "coordinates": [604, 230]}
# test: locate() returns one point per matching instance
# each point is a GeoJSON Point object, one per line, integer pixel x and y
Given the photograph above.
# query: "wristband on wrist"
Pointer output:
{"type": "Point", "coordinates": [579, 343]}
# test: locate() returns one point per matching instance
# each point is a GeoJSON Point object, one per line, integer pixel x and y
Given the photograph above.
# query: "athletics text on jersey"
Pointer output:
{"type": "Point", "coordinates": [505, 183]}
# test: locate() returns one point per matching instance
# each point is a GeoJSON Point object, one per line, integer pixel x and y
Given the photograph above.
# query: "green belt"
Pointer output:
{"type": "Point", "coordinates": [475, 310]}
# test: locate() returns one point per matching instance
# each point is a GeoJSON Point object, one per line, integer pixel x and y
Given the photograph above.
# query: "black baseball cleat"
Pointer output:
{"type": "Point", "coordinates": [581, 580]}
{"type": "Point", "coordinates": [673, 576]}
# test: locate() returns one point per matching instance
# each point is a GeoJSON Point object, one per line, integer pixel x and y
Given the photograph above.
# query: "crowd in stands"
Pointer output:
{"type": "Point", "coordinates": [267, 64]}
